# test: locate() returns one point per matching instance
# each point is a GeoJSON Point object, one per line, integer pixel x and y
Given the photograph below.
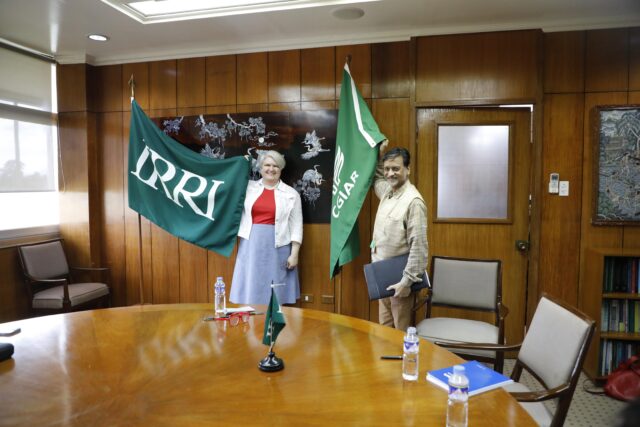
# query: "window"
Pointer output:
{"type": "Point", "coordinates": [473, 172]}
{"type": "Point", "coordinates": [28, 145]}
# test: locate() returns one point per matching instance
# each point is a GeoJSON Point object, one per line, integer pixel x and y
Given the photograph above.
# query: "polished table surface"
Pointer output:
{"type": "Point", "coordinates": [164, 365]}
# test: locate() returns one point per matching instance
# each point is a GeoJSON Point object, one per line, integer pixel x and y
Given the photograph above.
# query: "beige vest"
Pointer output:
{"type": "Point", "coordinates": [390, 229]}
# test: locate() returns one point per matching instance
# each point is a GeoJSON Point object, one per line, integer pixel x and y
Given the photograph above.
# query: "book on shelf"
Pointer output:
{"type": "Point", "coordinates": [621, 274]}
{"type": "Point", "coordinates": [614, 352]}
{"type": "Point", "coordinates": [481, 378]}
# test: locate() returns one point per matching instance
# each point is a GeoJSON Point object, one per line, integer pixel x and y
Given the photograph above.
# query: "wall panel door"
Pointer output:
{"type": "Point", "coordinates": [484, 239]}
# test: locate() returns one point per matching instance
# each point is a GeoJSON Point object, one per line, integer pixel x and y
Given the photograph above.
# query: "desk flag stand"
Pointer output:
{"type": "Point", "coordinates": [273, 324]}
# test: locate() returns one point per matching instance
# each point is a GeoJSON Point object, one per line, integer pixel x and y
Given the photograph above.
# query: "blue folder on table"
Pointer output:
{"type": "Point", "coordinates": [481, 378]}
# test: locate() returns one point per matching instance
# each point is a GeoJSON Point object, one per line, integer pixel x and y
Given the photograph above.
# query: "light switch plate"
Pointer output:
{"type": "Point", "coordinates": [564, 188]}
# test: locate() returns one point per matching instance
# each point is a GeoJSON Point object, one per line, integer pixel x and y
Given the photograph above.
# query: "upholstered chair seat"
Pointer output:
{"type": "Point", "coordinates": [452, 330]}
{"type": "Point", "coordinates": [537, 410]}
{"type": "Point", "coordinates": [53, 298]}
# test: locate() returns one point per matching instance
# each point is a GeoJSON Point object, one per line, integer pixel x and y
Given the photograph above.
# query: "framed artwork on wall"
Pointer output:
{"type": "Point", "coordinates": [307, 140]}
{"type": "Point", "coordinates": [616, 165]}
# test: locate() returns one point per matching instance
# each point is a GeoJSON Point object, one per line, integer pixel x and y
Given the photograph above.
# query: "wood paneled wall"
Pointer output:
{"type": "Point", "coordinates": [581, 70]}
{"type": "Point", "coordinates": [80, 207]}
{"type": "Point", "coordinates": [478, 68]}
{"type": "Point", "coordinates": [578, 70]}
{"type": "Point", "coordinates": [151, 266]}
{"type": "Point", "coordinates": [14, 302]}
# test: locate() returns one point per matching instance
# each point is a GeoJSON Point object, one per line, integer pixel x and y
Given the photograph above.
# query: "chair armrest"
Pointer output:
{"type": "Point", "coordinates": [422, 300]}
{"type": "Point", "coordinates": [90, 271]}
{"type": "Point", "coordinates": [478, 346]}
{"type": "Point", "coordinates": [49, 281]}
{"type": "Point", "coordinates": [90, 268]}
{"type": "Point", "coordinates": [65, 287]}
{"type": "Point", "coordinates": [539, 396]}
{"type": "Point", "coordinates": [503, 311]}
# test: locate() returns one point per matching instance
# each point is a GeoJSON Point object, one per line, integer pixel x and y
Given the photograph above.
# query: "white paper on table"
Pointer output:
{"type": "Point", "coordinates": [243, 309]}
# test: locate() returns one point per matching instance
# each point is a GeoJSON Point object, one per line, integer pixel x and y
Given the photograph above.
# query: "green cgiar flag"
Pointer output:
{"type": "Point", "coordinates": [357, 150]}
{"type": "Point", "coordinates": [191, 196]}
{"type": "Point", "coordinates": [274, 321]}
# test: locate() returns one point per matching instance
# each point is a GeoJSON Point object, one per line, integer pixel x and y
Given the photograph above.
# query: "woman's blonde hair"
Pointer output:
{"type": "Point", "coordinates": [277, 157]}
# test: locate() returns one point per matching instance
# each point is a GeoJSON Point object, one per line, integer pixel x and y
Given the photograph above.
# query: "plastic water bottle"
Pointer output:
{"type": "Point", "coordinates": [410, 356]}
{"type": "Point", "coordinates": [219, 303]}
{"type": "Point", "coordinates": [457, 406]}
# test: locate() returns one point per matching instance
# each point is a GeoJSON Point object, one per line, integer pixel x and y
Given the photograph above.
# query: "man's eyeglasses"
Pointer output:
{"type": "Point", "coordinates": [235, 318]}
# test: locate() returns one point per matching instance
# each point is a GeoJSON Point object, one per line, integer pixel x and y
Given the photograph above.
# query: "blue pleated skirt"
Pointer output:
{"type": "Point", "coordinates": [259, 263]}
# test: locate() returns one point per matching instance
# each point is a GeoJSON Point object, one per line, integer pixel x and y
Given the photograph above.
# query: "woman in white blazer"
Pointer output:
{"type": "Point", "coordinates": [270, 237]}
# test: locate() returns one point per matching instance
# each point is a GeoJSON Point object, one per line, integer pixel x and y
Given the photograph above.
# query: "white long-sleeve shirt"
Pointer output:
{"type": "Point", "coordinates": [288, 224]}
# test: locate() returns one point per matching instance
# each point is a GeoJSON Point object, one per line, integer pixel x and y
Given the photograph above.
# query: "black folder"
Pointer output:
{"type": "Point", "coordinates": [382, 274]}
{"type": "Point", "coordinates": [6, 351]}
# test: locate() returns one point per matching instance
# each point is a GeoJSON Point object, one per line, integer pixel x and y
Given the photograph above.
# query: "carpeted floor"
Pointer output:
{"type": "Point", "coordinates": [587, 410]}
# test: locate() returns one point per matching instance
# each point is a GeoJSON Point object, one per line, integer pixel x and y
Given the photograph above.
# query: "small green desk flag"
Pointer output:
{"type": "Point", "coordinates": [355, 161]}
{"type": "Point", "coordinates": [191, 196]}
{"type": "Point", "coordinates": [274, 321]}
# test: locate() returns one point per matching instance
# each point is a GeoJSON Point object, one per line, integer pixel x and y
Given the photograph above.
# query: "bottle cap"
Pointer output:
{"type": "Point", "coordinates": [219, 278]}
{"type": "Point", "coordinates": [411, 330]}
{"type": "Point", "coordinates": [458, 369]}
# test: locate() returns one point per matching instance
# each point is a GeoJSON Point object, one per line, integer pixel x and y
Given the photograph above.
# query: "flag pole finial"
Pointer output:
{"type": "Point", "coordinates": [132, 85]}
{"type": "Point", "coordinates": [348, 59]}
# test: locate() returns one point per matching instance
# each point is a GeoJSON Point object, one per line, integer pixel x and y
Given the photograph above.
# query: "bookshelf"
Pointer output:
{"type": "Point", "coordinates": [611, 296]}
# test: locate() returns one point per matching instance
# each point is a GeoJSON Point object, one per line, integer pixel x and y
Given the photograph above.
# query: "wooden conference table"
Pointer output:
{"type": "Point", "coordinates": [163, 365]}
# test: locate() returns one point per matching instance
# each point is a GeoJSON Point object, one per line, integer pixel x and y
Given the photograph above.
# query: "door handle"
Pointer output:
{"type": "Point", "coordinates": [522, 245]}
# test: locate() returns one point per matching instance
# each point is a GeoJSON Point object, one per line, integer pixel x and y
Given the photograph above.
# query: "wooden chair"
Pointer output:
{"type": "Point", "coordinates": [469, 284]}
{"type": "Point", "coordinates": [553, 351]}
{"type": "Point", "coordinates": [50, 282]}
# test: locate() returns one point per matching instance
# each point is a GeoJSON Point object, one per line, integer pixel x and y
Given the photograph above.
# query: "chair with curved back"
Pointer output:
{"type": "Point", "coordinates": [50, 282]}
{"type": "Point", "coordinates": [468, 284]}
{"type": "Point", "coordinates": [553, 352]}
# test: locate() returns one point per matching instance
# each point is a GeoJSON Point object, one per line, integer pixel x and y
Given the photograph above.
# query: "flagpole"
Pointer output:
{"type": "Point", "coordinates": [132, 86]}
{"type": "Point", "coordinates": [271, 343]}
{"type": "Point", "coordinates": [271, 363]}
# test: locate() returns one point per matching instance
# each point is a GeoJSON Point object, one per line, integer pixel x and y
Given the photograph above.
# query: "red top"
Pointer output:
{"type": "Point", "coordinates": [264, 209]}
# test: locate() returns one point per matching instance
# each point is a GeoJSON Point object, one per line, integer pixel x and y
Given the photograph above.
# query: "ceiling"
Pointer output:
{"type": "Point", "coordinates": [60, 27]}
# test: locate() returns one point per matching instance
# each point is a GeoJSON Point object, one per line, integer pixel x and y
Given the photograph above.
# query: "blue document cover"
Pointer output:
{"type": "Point", "coordinates": [481, 378]}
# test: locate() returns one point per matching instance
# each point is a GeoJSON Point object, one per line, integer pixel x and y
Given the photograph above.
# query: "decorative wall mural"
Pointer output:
{"type": "Point", "coordinates": [309, 185]}
{"type": "Point", "coordinates": [306, 138]}
{"type": "Point", "coordinates": [616, 179]}
{"type": "Point", "coordinates": [313, 143]}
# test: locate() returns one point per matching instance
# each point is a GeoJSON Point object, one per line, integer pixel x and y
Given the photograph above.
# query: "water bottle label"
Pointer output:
{"type": "Point", "coordinates": [411, 347]}
{"type": "Point", "coordinates": [453, 389]}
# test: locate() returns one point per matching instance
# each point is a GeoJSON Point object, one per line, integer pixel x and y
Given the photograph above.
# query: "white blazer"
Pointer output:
{"type": "Point", "coordinates": [288, 226]}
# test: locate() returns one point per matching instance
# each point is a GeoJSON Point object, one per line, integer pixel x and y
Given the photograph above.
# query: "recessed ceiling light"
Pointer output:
{"type": "Point", "coordinates": [98, 37]}
{"type": "Point", "coordinates": [153, 11]}
{"type": "Point", "coordinates": [348, 13]}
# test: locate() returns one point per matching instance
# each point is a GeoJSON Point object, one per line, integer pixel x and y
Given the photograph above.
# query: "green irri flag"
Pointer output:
{"type": "Point", "coordinates": [274, 321]}
{"type": "Point", "coordinates": [354, 166]}
{"type": "Point", "coordinates": [191, 196]}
